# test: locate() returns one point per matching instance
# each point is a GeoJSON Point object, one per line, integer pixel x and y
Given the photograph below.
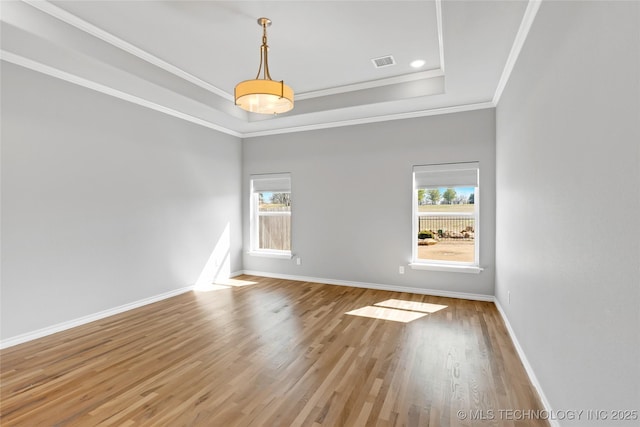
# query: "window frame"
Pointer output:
{"type": "Point", "coordinates": [446, 170]}
{"type": "Point", "coordinates": [267, 183]}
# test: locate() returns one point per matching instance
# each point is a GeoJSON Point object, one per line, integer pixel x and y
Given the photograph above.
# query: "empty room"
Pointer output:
{"type": "Point", "coordinates": [320, 213]}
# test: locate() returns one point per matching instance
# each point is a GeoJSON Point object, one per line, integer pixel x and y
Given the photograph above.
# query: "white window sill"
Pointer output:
{"type": "Point", "coordinates": [271, 254]}
{"type": "Point", "coordinates": [447, 267]}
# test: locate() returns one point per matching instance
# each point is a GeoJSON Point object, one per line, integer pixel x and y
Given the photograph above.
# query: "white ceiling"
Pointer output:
{"type": "Point", "coordinates": [185, 57]}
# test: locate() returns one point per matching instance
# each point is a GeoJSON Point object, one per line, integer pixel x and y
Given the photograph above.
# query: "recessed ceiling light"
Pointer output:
{"type": "Point", "coordinates": [418, 63]}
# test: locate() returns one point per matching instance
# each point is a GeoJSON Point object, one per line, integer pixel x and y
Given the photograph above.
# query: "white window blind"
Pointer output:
{"type": "Point", "coordinates": [446, 175]}
{"type": "Point", "coordinates": [273, 183]}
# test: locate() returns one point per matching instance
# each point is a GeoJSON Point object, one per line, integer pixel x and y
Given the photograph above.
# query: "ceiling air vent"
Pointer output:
{"type": "Point", "coordinates": [383, 61]}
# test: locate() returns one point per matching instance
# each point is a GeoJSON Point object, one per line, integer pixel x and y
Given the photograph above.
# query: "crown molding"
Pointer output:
{"type": "Point", "coordinates": [373, 119]}
{"type": "Point", "coordinates": [73, 20]}
{"type": "Point", "coordinates": [518, 43]}
{"type": "Point", "coordinates": [440, 36]}
{"type": "Point", "coordinates": [422, 75]}
{"type": "Point", "coordinates": [427, 74]}
{"type": "Point", "coordinates": [89, 84]}
{"type": "Point", "coordinates": [244, 132]}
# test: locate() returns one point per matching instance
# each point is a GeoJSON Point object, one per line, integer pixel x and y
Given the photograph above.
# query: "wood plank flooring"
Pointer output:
{"type": "Point", "coordinates": [274, 353]}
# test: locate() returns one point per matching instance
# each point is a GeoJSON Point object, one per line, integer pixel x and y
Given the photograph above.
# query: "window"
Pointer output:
{"type": "Point", "coordinates": [445, 217]}
{"type": "Point", "coordinates": [270, 218]}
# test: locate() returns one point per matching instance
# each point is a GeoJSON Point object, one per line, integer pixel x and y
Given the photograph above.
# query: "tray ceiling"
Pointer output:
{"type": "Point", "coordinates": [185, 57]}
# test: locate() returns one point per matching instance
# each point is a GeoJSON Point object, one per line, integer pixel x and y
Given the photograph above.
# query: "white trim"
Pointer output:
{"type": "Point", "coordinates": [374, 119]}
{"type": "Point", "coordinates": [269, 254]}
{"type": "Point", "coordinates": [431, 174]}
{"type": "Point", "coordinates": [73, 20]}
{"type": "Point", "coordinates": [22, 338]}
{"type": "Point", "coordinates": [438, 4]}
{"type": "Point", "coordinates": [105, 36]}
{"type": "Point", "coordinates": [518, 43]}
{"type": "Point", "coordinates": [527, 366]}
{"type": "Point", "coordinates": [260, 183]}
{"type": "Point", "coordinates": [80, 81]}
{"type": "Point", "coordinates": [89, 84]}
{"type": "Point", "coordinates": [234, 274]}
{"type": "Point", "coordinates": [451, 214]}
{"type": "Point", "coordinates": [378, 286]}
{"type": "Point", "coordinates": [422, 75]}
{"type": "Point", "coordinates": [274, 213]}
{"type": "Point", "coordinates": [81, 24]}
{"type": "Point", "coordinates": [447, 267]}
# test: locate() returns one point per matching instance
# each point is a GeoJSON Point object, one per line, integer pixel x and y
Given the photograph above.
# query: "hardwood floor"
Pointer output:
{"type": "Point", "coordinates": [274, 353]}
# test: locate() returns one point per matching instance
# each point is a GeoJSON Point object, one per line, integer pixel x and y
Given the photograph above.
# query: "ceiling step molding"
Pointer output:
{"type": "Point", "coordinates": [375, 119]}
{"type": "Point", "coordinates": [164, 87]}
{"type": "Point", "coordinates": [89, 84]}
{"type": "Point", "coordinates": [105, 36]}
{"type": "Point", "coordinates": [422, 75]}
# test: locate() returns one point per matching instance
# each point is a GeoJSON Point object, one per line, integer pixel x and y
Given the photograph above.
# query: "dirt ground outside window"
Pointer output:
{"type": "Point", "coordinates": [450, 250]}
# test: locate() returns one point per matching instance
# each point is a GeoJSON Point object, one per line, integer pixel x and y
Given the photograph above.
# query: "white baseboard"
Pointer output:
{"type": "Point", "coordinates": [22, 338]}
{"type": "Point", "coordinates": [235, 273]}
{"type": "Point", "coordinates": [382, 287]}
{"type": "Point", "coordinates": [527, 365]}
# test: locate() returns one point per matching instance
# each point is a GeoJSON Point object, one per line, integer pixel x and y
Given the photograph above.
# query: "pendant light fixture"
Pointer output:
{"type": "Point", "coordinates": [263, 95]}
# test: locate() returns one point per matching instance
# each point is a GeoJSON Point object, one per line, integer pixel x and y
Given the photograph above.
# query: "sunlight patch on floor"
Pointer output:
{"type": "Point", "coordinates": [423, 307]}
{"type": "Point", "coordinates": [397, 310]}
{"type": "Point", "coordinates": [234, 282]}
{"type": "Point", "coordinates": [383, 313]}
{"type": "Point", "coordinates": [222, 284]}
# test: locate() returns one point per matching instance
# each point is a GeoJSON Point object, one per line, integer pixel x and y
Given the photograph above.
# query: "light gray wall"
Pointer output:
{"type": "Point", "coordinates": [352, 195]}
{"type": "Point", "coordinates": [104, 202]}
{"type": "Point", "coordinates": [568, 228]}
